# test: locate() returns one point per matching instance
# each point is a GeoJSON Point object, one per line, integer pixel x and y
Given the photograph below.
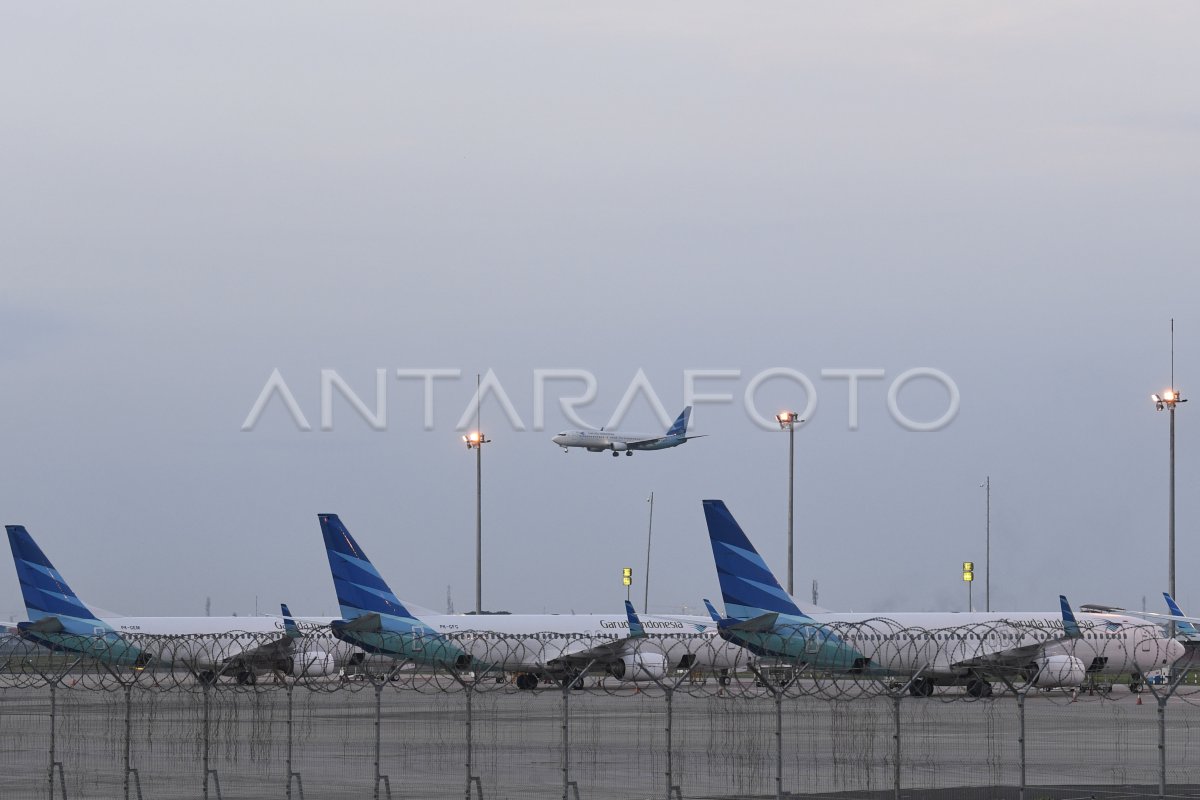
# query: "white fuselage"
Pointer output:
{"type": "Point", "coordinates": [597, 441]}
{"type": "Point", "coordinates": [941, 643]}
{"type": "Point", "coordinates": [208, 642]}
{"type": "Point", "coordinates": [535, 641]}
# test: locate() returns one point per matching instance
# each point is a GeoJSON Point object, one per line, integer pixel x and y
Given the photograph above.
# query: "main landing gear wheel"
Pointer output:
{"type": "Point", "coordinates": [979, 688]}
{"type": "Point", "coordinates": [628, 452]}
{"type": "Point", "coordinates": [247, 678]}
{"type": "Point", "coordinates": [207, 677]}
{"type": "Point", "coordinates": [921, 687]}
{"type": "Point", "coordinates": [615, 454]}
{"type": "Point", "coordinates": [526, 682]}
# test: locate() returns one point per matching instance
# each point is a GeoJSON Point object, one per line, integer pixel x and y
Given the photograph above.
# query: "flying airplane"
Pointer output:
{"type": "Point", "coordinates": [533, 646]}
{"type": "Point", "coordinates": [212, 647]}
{"type": "Point", "coordinates": [1050, 650]}
{"type": "Point", "coordinates": [601, 440]}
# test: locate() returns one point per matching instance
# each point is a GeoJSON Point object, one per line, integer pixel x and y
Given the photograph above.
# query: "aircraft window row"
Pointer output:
{"type": "Point", "coordinates": [943, 637]}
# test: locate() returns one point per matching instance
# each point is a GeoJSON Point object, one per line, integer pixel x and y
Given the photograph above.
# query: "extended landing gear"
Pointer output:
{"type": "Point", "coordinates": [921, 687]}
{"type": "Point", "coordinates": [207, 677]}
{"type": "Point", "coordinates": [978, 688]}
{"type": "Point", "coordinates": [1136, 682]}
{"type": "Point", "coordinates": [246, 678]}
{"type": "Point", "coordinates": [615, 454]}
{"type": "Point", "coordinates": [527, 682]}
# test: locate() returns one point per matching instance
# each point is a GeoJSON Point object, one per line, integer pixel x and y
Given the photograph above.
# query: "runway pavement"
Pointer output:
{"type": "Point", "coordinates": [721, 746]}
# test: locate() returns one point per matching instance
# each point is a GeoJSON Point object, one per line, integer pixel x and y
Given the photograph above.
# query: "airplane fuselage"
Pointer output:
{"type": "Point", "coordinates": [947, 646]}
{"type": "Point", "coordinates": [599, 441]}
{"type": "Point", "coordinates": [543, 642]}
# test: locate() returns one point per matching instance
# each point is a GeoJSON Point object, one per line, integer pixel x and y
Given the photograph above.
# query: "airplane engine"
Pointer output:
{"type": "Point", "coordinates": [640, 667]}
{"type": "Point", "coordinates": [619, 446]}
{"type": "Point", "coordinates": [1056, 671]}
{"type": "Point", "coordinates": [310, 664]}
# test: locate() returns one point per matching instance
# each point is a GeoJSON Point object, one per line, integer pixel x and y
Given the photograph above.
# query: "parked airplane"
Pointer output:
{"type": "Point", "coordinates": [534, 646]}
{"type": "Point", "coordinates": [601, 440]}
{"type": "Point", "coordinates": [1185, 630]}
{"type": "Point", "coordinates": [212, 647]}
{"type": "Point", "coordinates": [1050, 650]}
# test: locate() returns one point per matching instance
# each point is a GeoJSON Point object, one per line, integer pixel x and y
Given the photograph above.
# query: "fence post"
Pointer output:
{"type": "Point", "coordinates": [470, 690]}
{"type": "Point", "coordinates": [670, 690]}
{"type": "Point", "coordinates": [53, 740]}
{"type": "Point", "coordinates": [899, 693]}
{"type": "Point", "coordinates": [896, 744]}
{"type": "Point", "coordinates": [777, 692]}
{"type": "Point", "coordinates": [379, 776]}
{"type": "Point", "coordinates": [566, 736]}
{"type": "Point", "coordinates": [778, 743]}
{"type": "Point", "coordinates": [129, 770]}
{"type": "Point", "coordinates": [204, 732]}
{"type": "Point", "coordinates": [291, 773]}
{"type": "Point", "coordinates": [1178, 675]}
{"type": "Point", "coordinates": [568, 683]}
{"type": "Point", "coordinates": [1021, 738]}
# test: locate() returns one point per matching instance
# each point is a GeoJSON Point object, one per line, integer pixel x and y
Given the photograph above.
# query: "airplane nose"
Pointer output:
{"type": "Point", "coordinates": [1175, 651]}
{"type": "Point", "coordinates": [558, 439]}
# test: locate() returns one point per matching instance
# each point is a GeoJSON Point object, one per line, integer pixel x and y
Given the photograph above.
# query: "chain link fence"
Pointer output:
{"type": "Point", "coordinates": [203, 725]}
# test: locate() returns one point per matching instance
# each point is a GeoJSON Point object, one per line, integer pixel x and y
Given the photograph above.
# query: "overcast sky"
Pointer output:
{"type": "Point", "coordinates": [195, 195]}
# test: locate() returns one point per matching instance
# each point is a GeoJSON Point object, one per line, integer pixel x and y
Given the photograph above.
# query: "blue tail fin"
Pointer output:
{"type": "Point", "coordinates": [712, 612]}
{"type": "Point", "coordinates": [636, 631]}
{"type": "Point", "coordinates": [46, 593]}
{"type": "Point", "coordinates": [748, 587]}
{"type": "Point", "coordinates": [290, 628]}
{"type": "Point", "coordinates": [359, 586]}
{"type": "Point", "coordinates": [679, 426]}
{"type": "Point", "coordinates": [1183, 626]}
{"type": "Point", "coordinates": [1070, 626]}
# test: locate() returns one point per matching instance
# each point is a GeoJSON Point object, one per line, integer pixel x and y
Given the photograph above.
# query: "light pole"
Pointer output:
{"type": "Point", "coordinates": [1168, 400]}
{"type": "Point", "coordinates": [987, 553]}
{"type": "Point", "coordinates": [649, 533]}
{"type": "Point", "coordinates": [788, 420]}
{"type": "Point", "coordinates": [475, 441]}
{"type": "Point", "coordinates": [969, 579]}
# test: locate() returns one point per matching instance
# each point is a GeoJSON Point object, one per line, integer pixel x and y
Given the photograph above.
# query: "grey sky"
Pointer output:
{"type": "Point", "coordinates": [197, 194]}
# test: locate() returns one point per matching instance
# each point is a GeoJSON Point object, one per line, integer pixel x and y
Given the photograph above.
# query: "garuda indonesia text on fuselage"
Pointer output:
{"type": "Point", "coordinates": [618, 442]}
{"type": "Point", "coordinates": [239, 647]}
{"type": "Point", "coordinates": [533, 645]}
{"type": "Point", "coordinates": [937, 648]}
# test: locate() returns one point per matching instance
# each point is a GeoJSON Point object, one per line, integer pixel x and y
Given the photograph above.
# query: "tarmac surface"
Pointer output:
{"type": "Point", "coordinates": [723, 746]}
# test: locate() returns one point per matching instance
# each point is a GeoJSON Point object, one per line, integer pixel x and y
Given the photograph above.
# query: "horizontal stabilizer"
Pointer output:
{"type": "Point", "coordinates": [367, 623]}
{"type": "Point", "coordinates": [43, 625]}
{"type": "Point", "coordinates": [760, 624]}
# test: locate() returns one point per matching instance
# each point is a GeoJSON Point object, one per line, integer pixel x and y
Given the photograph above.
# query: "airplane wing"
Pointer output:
{"type": "Point", "coordinates": [1020, 656]}
{"type": "Point", "coordinates": [270, 653]}
{"type": "Point", "coordinates": [582, 654]}
{"type": "Point", "coordinates": [1184, 627]}
{"type": "Point", "coordinates": [262, 657]}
